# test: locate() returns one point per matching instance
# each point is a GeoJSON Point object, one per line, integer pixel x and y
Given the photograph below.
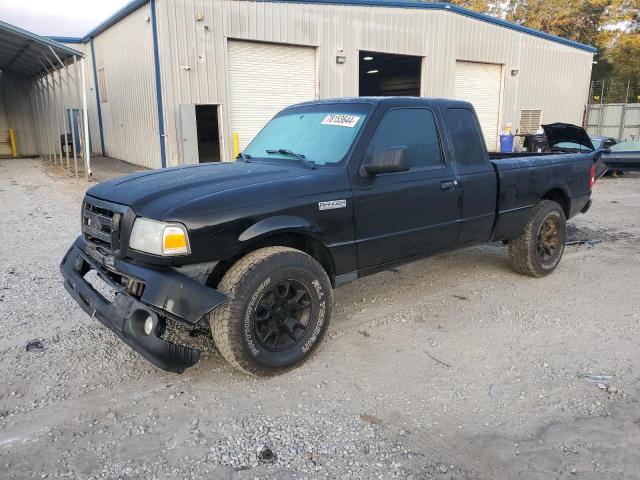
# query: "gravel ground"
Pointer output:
{"type": "Point", "coordinates": [450, 368]}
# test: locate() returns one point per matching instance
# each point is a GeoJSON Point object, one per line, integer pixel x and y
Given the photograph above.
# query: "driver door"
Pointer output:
{"type": "Point", "coordinates": [405, 214]}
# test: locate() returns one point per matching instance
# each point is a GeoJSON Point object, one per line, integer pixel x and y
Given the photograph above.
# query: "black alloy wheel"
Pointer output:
{"type": "Point", "coordinates": [281, 316]}
{"type": "Point", "coordinates": [548, 240]}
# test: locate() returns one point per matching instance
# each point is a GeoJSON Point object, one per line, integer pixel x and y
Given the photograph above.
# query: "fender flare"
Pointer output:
{"type": "Point", "coordinates": [280, 224]}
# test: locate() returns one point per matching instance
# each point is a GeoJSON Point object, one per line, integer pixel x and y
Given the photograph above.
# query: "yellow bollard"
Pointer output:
{"type": "Point", "coordinates": [236, 144]}
{"type": "Point", "coordinates": [14, 147]}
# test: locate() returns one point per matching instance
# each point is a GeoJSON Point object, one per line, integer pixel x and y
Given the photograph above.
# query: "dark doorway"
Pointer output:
{"type": "Point", "coordinates": [387, 74]}
{"type": "Point", "coordinates": [208, 134]}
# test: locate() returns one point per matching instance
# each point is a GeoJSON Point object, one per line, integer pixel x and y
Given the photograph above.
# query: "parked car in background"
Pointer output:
{"type": "Point", "coordinates": [626, 146]}
{"type": "Point", "coordinates": [623, 156]}
{"type": "Point", "coordinates": [603, 143]}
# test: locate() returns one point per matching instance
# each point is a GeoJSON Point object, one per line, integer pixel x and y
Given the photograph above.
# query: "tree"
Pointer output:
{"type": "Point", "coordinates": [578, 20]}
{"type": "Point", "coordinates": [623, 55]}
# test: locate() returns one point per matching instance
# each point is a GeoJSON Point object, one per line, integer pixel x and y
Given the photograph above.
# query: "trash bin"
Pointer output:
{"type": "Point", "coordinates": [506, 143]}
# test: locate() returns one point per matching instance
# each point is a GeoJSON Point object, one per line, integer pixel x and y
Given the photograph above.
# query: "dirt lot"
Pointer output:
{"type": "Point", "coordinates": [450, 368]}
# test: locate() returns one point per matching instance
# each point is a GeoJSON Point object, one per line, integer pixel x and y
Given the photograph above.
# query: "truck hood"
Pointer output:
{"type": "Point", "coordinates": [565, 132]}
{"type": "Point", "coordinates": [154, 193]}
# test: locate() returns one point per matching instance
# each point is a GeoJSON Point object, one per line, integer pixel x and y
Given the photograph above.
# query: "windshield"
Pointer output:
{"type": "Point", "coordinates": [626, 146]}
{"type": "Point", "coordinates": [597, 142]}
{"type": "Point", "coordinates": [321, 134]}
{"type": "Point", "coordinates": [571, 146]}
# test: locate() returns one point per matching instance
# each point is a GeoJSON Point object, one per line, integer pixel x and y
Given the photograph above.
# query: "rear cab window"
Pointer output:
{"type": "Point", "coordinates": [469, 148]}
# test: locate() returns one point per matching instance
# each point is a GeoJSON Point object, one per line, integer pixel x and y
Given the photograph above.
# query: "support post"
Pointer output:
{"type": "Point", "coordinates": [623, 115]}
{"type": "Point", "coordinates": [38, 113]}
{"type": "Point", "coordinates": [52, 134]}
{"type": "Point", "coordinates": [56, 112]}
{"type": "Point", "coordinates": [85, 118]}
{"type": "Point", "coordinates": [64, 119]}
{"type": "Point", "coordinates": [73, 117]}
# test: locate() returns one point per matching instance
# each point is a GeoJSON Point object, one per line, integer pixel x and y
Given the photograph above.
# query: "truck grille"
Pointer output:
{"type": "Point", "coordinates": [100, 225]}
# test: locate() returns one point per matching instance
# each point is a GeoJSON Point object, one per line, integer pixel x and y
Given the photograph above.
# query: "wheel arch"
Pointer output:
{"type": "Point", "coordinates": [560, 196]}
{"type": "Point", "coordinates": [280, 231]}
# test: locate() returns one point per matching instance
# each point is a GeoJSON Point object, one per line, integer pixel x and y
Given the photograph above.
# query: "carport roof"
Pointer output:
{"type": "Point", "coordinates": [29, 54]}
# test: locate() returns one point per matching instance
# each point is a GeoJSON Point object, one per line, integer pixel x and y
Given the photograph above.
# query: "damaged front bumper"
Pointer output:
{"type": "Point", "coordinates": [164, 293]}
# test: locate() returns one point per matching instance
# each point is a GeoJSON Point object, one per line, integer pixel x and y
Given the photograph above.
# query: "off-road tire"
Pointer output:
{"type": "Point", "coordinates": [523, 251]}
{"type": "Point", "coordinates": [233, 324]}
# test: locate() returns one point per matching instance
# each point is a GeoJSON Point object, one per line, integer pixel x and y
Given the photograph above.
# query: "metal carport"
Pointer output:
{"type": "Point", "coordinates": [44, 88]}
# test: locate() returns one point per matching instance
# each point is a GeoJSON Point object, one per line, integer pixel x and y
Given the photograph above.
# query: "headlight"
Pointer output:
{"type": "Point", "coordinates": [159, 238]}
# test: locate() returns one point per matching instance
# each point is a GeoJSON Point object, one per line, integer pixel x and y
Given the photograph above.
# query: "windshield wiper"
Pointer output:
{"type": "Point", "coordinates": [244, 157]}
{"type": "Point", "coordinates": [283, 151]}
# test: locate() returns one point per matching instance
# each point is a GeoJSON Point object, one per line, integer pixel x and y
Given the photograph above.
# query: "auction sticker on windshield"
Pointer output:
{"type": "Point", "coordinates": [341, 120]}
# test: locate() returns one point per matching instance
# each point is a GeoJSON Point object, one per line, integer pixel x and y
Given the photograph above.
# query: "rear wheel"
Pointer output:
{"type": "Point", "coordinates": [278, 310]}
{"type": "Point", "coordinates": [538, 250]}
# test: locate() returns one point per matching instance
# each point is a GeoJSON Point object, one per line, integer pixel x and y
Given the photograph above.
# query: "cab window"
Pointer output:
{"type": "Point", "coordinates": [468, 145]}
{"type": "Point", "coordinates": [413, 128]}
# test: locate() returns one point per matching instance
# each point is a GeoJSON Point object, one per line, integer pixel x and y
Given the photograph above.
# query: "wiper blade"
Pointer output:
{"type": "Point", "coordinates": [244, 156]}
{"type": "Point", "coordinates": [283, 151]}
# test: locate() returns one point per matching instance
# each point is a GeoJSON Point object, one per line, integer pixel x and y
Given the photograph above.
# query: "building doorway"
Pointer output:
{"type": "Point", "coordinates": [208, 133]}
{"type": "Point", "coordinates": [387, 74]}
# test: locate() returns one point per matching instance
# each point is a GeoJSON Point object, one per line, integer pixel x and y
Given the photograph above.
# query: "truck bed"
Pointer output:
{"type": "Point", "coordinates": [561, 177]}
{"type": "Point", "coordinates": [503, 155]}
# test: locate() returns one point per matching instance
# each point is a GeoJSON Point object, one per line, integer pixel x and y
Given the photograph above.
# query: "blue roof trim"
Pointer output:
{"type": "Point", "coordinates": [135, 4]}
{"type": "Point", "coordinates": [445, 6]}
{"type": "Point", "coordinates": [66, 39]}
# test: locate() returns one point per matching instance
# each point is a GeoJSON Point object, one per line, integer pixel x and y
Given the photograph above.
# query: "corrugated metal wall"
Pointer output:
{"type": "Point", "coordinates": [130, 123]}
{"type": "Point", "coordinates": [92, 110]}
{"type": "Point", "coordinates": [50, 98]}
{"type": "Point", "coordinates": [193, 34]}
{"type": "Point", "coordinates": [14, 98]}
{"type": "Point", "coordinates": [38, 115]}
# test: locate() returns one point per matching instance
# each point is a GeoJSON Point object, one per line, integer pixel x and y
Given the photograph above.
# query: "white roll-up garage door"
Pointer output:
{"type": "Point", "coordinates": [263, 79]}
{"type": "Point", "coordinates": [481, 84]}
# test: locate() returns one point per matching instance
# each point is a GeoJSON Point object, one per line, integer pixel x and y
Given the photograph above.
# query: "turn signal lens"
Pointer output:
{"type": "Point", "coordinates": [174, 241]}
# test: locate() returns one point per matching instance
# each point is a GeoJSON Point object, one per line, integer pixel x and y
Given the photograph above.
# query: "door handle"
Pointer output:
{"type": "Point", "coordinates": [448, 185]}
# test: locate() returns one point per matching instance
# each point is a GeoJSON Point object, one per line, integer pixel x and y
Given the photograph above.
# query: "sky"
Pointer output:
{"type": "Point", "coordinates": [70, 18]}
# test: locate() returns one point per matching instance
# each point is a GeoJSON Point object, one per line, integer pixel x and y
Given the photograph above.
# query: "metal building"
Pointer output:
{"type": "Point", "coordinates": [174, 80]}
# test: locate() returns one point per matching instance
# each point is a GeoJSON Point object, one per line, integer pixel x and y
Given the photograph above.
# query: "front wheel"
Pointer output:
{"type": "Point", "coordinates": [538, 250]}
{"type": "Point", "coordinates": [278, 310]}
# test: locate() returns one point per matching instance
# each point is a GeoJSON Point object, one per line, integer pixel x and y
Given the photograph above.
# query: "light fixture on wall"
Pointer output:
{"type": "Point", "coordinates": [372, 72]}
{"type": "Point", "coordinates": [515, 72]}
{"type": "Point", "coordinates": [340, 57]}
{"type": "Point", "coordinates": [367, 59]}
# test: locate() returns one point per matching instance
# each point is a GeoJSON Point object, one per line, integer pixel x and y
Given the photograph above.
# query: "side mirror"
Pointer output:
{"type": "Point", "coordinates": [387, 160]}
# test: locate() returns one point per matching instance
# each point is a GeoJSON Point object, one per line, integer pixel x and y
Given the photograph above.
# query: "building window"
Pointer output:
{"type": "Point", "coordinates": [530, 121]}
{"type": "Point", "coordinates": [102, 85]}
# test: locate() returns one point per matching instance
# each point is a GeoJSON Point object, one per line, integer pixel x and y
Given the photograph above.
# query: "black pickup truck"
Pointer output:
{"type": "Point", "coordinates": [327, 192]}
